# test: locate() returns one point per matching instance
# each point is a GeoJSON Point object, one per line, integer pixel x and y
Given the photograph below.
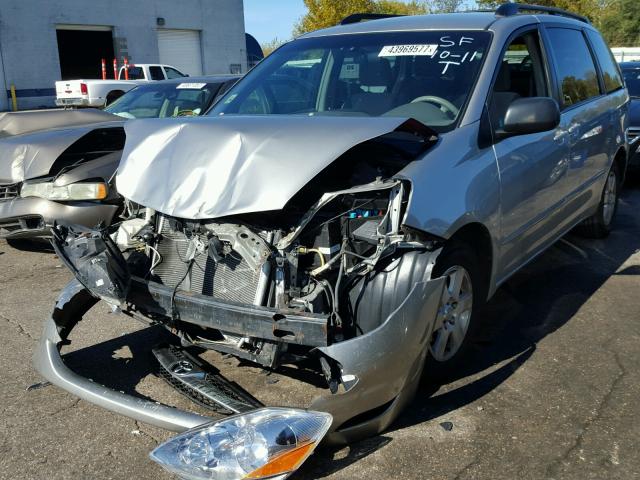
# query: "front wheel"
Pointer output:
{"type": "Point", "coordinates": [599, 224]}
{"type": "Point", "coordinates": [457, 323]}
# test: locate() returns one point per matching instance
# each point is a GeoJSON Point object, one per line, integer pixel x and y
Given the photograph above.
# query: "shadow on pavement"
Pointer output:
{"type": "Point", "coordinates": [31, 245]}
{"type": "Point", "coordinates": [120, 363]}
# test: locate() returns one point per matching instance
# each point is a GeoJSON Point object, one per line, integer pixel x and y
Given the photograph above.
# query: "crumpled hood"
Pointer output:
{"type": "Point", "coordinates": [31, 155]}
{"type": "Point", "coordinates": [212, 167]}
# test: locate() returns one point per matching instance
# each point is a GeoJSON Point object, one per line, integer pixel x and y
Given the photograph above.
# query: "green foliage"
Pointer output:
{"type": "Point", "coordinates": [327, 13]}
{"type": "Point", "coordinates": [444, 6]}
{"type": "Point", "coordinates": [618, 20]}
{"type": "Point", "coordinates": [620, 23]}
{"type": "Point", "coordinates": [270, 46]}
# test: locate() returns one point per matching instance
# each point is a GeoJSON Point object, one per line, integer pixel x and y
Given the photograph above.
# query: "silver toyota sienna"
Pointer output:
{"type": "Point", "coordinates": [340, 217]}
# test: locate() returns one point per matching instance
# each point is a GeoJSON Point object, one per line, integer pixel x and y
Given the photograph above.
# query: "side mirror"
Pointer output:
{"type": "Point", "coordinates": [530, 115]}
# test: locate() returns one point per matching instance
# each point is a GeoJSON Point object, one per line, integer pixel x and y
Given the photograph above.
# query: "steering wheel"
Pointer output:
{"type": "Point", "coordinates": [442, 103]}
{"type": "Point", "coordinates": [185, 113]}
{"type": "Point", "coordinates": [303, 87]}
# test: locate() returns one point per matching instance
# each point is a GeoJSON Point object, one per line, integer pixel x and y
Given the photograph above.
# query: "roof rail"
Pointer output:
{"type": "Point", "coordinates": [363, 17]}
{"type": "Point", "coordinates": [510, 9]}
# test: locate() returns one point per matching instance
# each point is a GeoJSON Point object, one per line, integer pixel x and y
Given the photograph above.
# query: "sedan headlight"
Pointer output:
{"type": "Point", "coordinates": [266, 443]}
{"type": "Point", "coordinates": [74, 191]}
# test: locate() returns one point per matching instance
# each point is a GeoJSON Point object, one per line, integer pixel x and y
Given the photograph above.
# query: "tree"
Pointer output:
{"type": "Point", "coordinates": [620, 24]}
{"type": "Point", "coordinates": [327, 13]}
{"type": "Point", "coordinates": [618, 20]}
{"type": "Point", "coordinates": [444, 6]}
{"type": "Point", "coordinates": [270, 46]}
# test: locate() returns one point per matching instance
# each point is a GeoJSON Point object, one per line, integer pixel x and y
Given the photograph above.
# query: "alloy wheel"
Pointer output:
{"type": "Point", "coordinates": [609, 198]}
{"type": "Point", "coordinates": [454, 314]}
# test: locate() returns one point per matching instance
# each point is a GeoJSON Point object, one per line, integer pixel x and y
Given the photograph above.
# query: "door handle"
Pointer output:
{"type": "Point", "coordinates": [592, 133]}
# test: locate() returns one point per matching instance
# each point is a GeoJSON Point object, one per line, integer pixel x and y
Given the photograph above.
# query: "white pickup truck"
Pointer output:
{"type": "Point", "coordinates": [98, 93]}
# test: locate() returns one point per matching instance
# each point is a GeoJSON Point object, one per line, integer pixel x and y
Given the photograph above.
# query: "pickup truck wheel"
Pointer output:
{"type": "Point", "coordinates": [457, 324]}
{"type": "Point", "coordinates": [599, 224]}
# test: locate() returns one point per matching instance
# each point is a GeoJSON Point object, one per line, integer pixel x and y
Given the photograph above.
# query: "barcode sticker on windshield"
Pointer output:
{"type": "Point", "coordinates": [407, 50]}
{"type": "Point", "coordinates": [192, 86]}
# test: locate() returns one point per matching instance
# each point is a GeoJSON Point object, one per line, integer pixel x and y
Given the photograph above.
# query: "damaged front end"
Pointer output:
{"type": "Point", "coordinates": [333, 281]}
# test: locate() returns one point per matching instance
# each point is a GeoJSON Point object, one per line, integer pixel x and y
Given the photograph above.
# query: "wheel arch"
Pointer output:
{"type": "Point", "coordinates": [112, 96]}
{"type": "Point", "coordinates": [621, 159]}
{"type": "Point", "coordinates": [476, 236]}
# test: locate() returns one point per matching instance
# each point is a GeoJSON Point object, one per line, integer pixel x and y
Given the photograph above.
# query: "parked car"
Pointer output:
{"type": "Point", "coordinates": [631, 73]}
{"type": "Point", "coordinates": [52, 174]}
{"type": "Point", "coordinates": [98, 93]}
{"type": "Point", "coordinates": [340, 216]}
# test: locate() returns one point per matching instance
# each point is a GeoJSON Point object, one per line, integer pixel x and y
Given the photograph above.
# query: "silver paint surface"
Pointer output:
{"type": "Point", "coordinates": [18, 123]}
{"type": "Point", "coordinates": [27, 156]}
{"type": "Point", "coordinates": [212, 167]}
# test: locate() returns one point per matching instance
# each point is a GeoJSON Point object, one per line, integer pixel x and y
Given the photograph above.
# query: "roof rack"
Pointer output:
{"type": "Point", "coordinates": [363, 17]}
{"type": "Point", "coordinates": [510, 9]}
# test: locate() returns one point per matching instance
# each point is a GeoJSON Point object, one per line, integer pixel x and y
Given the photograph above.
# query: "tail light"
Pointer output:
{"type": "Point", "coordinates": [83, 89]}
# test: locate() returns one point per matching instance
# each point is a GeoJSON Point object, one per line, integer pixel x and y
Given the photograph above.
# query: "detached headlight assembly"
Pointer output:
{"type": "Point", "coordinates": [267, 443]}
{"type": "Point", "coordinates": [74, 191]}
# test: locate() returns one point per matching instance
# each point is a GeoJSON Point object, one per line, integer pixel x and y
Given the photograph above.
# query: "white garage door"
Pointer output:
{"type": "Point", "coordinates": [181, 49]}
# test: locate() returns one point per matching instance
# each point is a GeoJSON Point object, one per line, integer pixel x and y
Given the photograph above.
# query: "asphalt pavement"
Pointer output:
{"type": "Point", "coordinates": [551, 393]}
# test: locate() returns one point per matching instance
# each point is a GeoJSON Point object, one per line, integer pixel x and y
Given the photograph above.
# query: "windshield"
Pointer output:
{"type": "Point", "coordinates": [632, 79]}
{"type": "Point", "coordinates": [424, 75]}
{"type": "Point", "coordinates": [158, 100]}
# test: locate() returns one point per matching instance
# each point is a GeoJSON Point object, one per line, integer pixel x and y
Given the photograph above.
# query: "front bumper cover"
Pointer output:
{"type": "Point", "coordinates": [379, 369]}
{"type": "Point", "coordinates": [17, 215]}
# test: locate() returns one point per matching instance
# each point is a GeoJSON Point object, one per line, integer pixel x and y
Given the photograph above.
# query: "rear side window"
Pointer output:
{"type": "Point", "coordinates": [156, 73]}
{"type": "Point", "coordinates": [135, 73]}
{"type": "Point", "coordinates": [173, 73]}
{"type": "Point", "coordinates": [608, 65]}
{"type": "Point", "coordinates": [574, 66]}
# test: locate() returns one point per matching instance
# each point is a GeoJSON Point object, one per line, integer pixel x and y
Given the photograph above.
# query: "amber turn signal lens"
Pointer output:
{"type": "Point", "coordinates": [285, 463]}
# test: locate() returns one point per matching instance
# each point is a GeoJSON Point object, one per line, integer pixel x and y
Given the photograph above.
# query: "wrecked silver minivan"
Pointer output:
{"type": "Point", "coordinates": [348, 205]}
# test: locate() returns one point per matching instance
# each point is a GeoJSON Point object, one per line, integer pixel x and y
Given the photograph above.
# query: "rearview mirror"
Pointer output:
{"type": "Point", "coordinates": [530, 115]}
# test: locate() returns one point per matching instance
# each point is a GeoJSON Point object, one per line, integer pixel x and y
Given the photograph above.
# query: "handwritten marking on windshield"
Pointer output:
{"type": "Point", "coordinates": [447, 58]}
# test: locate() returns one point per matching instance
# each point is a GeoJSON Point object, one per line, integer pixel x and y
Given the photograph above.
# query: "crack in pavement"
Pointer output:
{"type": "Point", "coordinates": [67, 407]}
{"type": "Point", "coordinates": [554, 468]}
{"type": "Point", "coordinates": [146, 434]}
{"type": "Point", "coordinates": [20, 328]}
{"type": "Point", "coordinates": [467, 468]}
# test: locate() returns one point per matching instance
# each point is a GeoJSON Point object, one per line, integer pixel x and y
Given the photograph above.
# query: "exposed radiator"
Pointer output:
{"type": "Point", "coordinates": [230, 278]}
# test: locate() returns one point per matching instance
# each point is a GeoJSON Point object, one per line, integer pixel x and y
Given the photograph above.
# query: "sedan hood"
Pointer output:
{"type": "Point", "coordinates": [32, 155]}
{"type": "Point", "coordinates": [212, 167]}
{"type": "Point", "coordinates": [18, 123]}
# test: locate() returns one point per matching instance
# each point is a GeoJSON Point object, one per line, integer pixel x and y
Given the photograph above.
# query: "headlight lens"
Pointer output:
{"type": "Point", "coordinates": [266, 443]}
{"type": "Point", "coordinates": [74, 191]}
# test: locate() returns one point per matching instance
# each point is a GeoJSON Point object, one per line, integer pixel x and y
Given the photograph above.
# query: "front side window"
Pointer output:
{"type": "Point", "coordinates": [574, 66]}
{"type": "Point", "coordinates": [156, 73]}
{"type": "Point", "coordinates": [424, 75]}
{"type": "Point", "coordinates": [521, 74]}
{"type": "Point", "coordinates": [608, 65]}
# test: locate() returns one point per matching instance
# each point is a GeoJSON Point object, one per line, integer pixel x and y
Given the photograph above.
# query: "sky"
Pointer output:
{"type": "Point", "coordinates": [268, 19]}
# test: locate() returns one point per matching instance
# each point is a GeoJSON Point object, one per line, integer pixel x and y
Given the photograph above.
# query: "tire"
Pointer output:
{"type": "Point", "coordinates": [599, 224]}
{"type": "Point", "coordinates": [458, 322]}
